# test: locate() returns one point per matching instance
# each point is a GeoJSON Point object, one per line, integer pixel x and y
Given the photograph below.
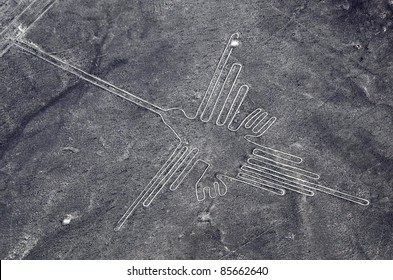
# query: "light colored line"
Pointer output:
{"type": "Point", "coordinates": [288, 177]}
{"type": "Point", "coordinates": [256, 128]}
{"type": "Point", "coordinates": [48, 7]}
{"type": "Point", "coordinates": [145, 191]}
{"type": "Point", "coordinates": [283, 166]}
{"type": "Point", "coordinates": [12, 32]}
{"type": "Point", "coordinates": [221, 90]}
{"type": "Point", "coordinates": [87, 77]}
{"type": "Point", "coordinates": [285, 185]}
{"type": "Point", "coordinates": [156, 188]}
{"type": "Point", "coordinates": [244, 178]}
{"type": "Point", "coordinates": [241, 95]}
{"type": "Point", "coordinates": [17, 17]}
{"type": "Point", "coordinates": [216, 185]}
{"type": "Point", "coordinates": [265, 127]}
{"type": "Point", "coordinates": [279, 191]}
{"type": "Point", "coordinates": [211, 92]}
{"type": "Point", "coordinates": [276, 153]}
{"type": "Point", "coordinates": [209, 190]}
{"type": "Point", "coordinates": [216, 76]}
{"type": "Point", "coordinates": [185, 171]}
{"type": "Point", "coordinates": [259, 117]}
{"type": "Point", "coordinates": [37, 73]}
{"type": "Point", "coordinates": [218, 122]}
{"type": "Point", "coordinates": [257, 180]}
{"type": "Point", "coordinates": [218, 177]}
{"type": "Point", "coordinates": [181, 157]}
{"type": "Point", "coordinates": [13, 14]}
{"type": "Point", "coordinates": [313, 186]}
{"type": "Point", "coordinates": [200, 178]}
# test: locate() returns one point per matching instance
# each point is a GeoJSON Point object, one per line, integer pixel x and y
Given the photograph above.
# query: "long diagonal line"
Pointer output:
{"type": "Point", "coordinates": [156, 188]}
{"type": "Point", "coordinates": [275, 153]}
{"type": "Point", "coordinates": [145, 192]}
{"type": "Point", "coordinates": [257, 116]}
{"type": "Point", "coordinates": [23, 22]}
{"type": "Point", "coordinates": [305, 184]}
{"type": "Point", "coordinates": [185, 169]}
{"type": "Point", "coordinates": [260, 184]}
{"type": "Point", "coordinates": [185, 159]}
{"type": "Point", "coordinates": [285, 185]}
{"type": "Point", "coordinates": [222, 116]}
{"type": "Point", "coordinates": [247, 181]}
{"type": "Point", "coordinates": [216, 77]}
{"type": "Point", "coordinates": [167, 172]}
{"type": "Point", "coordinates": [16, 18]}
{"type": "Point", "coordinates": [40, 10]}
{"type": "Point", "coordinates": [261, 160]}
{"type": "Point", "coordinates": [261, 129]}
{"type": "Point", "coordinates": [235, 107]}
{"type": "Point", "coordinates": [30, 48]}
{"type": "Point", "coordinates": [212, 106]}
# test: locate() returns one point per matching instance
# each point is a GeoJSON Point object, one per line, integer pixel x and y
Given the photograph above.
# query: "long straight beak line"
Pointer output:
{"type": "Point", "coordinates": [30, 48]}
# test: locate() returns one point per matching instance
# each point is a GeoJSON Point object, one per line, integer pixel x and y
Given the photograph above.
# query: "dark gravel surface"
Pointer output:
{"type": "Point", "coordinates": [71, 149]}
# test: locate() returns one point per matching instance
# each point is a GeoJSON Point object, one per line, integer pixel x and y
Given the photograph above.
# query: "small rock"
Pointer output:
{"type": "Point", "coordinates": [235, 43]}
{"type": "Point", "coordinates": [67, 220]}
{"type": "Point", "coordinates": [71, 149]}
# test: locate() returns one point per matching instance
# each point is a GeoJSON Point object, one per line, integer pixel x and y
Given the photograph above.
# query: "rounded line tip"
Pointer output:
{"type": "Point", "coordinates": [236, 34]}
{"type": "Point", "coordinates": [365, 202]}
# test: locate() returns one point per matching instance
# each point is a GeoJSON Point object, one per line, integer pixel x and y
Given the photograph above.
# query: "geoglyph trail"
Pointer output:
{"type": "Point", "coordinates": [216, 140]}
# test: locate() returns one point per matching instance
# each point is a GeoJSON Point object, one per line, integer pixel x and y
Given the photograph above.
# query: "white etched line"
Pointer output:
{"type": "Point", "coordinates": [208, 165]}
{"type": "Point", "coordinates": [300, 184]}
{"type": "Point", "coordinates": [12, 23]}
{"type": "Point", "coordinates": [212, 193]}
{"type": "Point", "coordinates": [312, 186]}
{"type": "Point", "coordinates": [343, 195]}
{"type": "Point", "coordinates": [22, 22]}
{"type": "Point", "coordinates": [258, 180]}
{"type": "Point", "coordinates": [245, 179]}
{"type": "Point", "coordinates": [157, 187]}
{"type": "Point", "coordinates": [287, 176]}
{"type": "Point", "coordinates": [44, 9]}
{"type": "Point", "coordinates": [234, 110]}
{"type": "Point", "coordinates": [285, 185]}
{"type": "Point", "coordinates": [214, 99]}
{"type": "Point", "coordinates": [254, 117]}
{"type": "Point", "coordinates": [265, 127]}
{"type": "Point", "coordinates": [247, 120]}
{"type": "Point", "coordinates": [224, 186]}
{"type": "Point", "coordinates": [258, 160]}
{"type": "Point", "coordinates": [260, 124]}
{"type": "Point", "coordinates": [38, 73]}
{"type": "Point", "coordinates": [146, 190]}
{"type": "Point", "coordinates": [173, 175]}
{"type": "Point", "coordinates": [182, 157]}
{"type": "Point", "coordinates": [275, 153]}
{"type": "Point", "coordinates": [186, 170]}
{"type": "Point", "coordinates": [223, 115]}
{"type": "Point", "coordinates": [217, 74]}
{"type": "Point", "coordinates": [277, 191]}
{"type": "Point", "coordinates": [87, 77]}
{"type": "Point", "coordinates": [255, 125]}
